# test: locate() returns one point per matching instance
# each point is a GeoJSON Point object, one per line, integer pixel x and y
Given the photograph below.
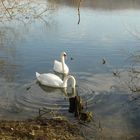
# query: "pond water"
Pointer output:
{"type": "Point", "coordinates": [107, 30]}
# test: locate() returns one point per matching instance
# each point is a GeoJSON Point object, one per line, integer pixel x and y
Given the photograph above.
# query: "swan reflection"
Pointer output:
{"type": "Point", "coordinates": [68, 92]}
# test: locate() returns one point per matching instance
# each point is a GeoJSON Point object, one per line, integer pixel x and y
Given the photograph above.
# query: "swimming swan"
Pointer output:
{"type": "Point", "coordinates": [52, 80]}
{"type": "Point", "coordinates": [61, 67]}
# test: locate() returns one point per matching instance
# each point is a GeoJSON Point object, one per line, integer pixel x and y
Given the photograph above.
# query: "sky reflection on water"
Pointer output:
{"type": "Point", "coordinates": [100, 34]}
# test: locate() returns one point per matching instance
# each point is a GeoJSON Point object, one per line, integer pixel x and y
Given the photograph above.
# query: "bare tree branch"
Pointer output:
{"type": "Point", "coordinates": [2, 1]}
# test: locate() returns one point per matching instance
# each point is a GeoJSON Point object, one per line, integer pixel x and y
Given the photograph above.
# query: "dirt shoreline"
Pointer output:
{"type": "Point", "coordinates": [39, 129]}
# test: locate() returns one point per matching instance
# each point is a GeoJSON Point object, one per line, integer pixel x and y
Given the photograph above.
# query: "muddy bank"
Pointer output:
{"type": "Point", "coordinates": [40, 129]}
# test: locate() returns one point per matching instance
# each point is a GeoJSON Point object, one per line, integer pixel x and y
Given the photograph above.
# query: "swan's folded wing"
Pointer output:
{"type": "Point", "coordinates": [57, 66]}
{"type": "Point", "coordinates": [50, 79]}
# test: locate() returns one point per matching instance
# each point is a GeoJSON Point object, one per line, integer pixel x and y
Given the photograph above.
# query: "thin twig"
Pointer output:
{"type": "Point", "coordinates": [41, 13]}
{"type": "Point", "coordinates": [6, 9]}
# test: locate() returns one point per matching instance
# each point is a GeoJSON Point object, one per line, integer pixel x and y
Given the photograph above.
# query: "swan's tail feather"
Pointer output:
{"type": "Point", "coordinates": [37, 74]}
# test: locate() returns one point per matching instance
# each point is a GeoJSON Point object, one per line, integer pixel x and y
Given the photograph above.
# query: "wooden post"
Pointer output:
{"type": "Point", "coordinates": [72, 105]}
{"type": "Point", "coordinates": [76, 105]}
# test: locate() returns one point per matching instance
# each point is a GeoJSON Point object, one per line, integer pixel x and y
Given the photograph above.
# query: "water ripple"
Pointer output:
{"type": "Point", "coordinates": [33, 97]}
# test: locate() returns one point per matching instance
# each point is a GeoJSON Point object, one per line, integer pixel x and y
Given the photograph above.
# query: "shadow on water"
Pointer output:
{"type": "Point", "coordinates": [118, 117]}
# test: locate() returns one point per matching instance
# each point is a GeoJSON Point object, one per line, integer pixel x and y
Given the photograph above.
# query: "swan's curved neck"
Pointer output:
{"type": "Point", "coordinates": [73, 83]}
{"type": "Point", "coordinates": [66, 79]}
{"type": "Point", "coordinates": [63, 62]}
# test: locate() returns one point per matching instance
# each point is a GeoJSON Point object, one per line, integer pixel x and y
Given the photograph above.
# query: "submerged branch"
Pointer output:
{"type": "Point", "coordinates": [78, 16]}
{"type": "Point", "coordinates": [79, 11]}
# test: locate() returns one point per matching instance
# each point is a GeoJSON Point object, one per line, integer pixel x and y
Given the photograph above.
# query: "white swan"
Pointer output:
{"type": "Point", "coordinates": [52, 80]}
{"type": "Point", "coordinates": [61, 67]}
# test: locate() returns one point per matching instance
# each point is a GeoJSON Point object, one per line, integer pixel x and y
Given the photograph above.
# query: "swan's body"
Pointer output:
{"type": "Point", "coordinates": [52, 80]}
{"type": "Point", "coordinates": [58, 67]}
{"type": "Point", "coordinates": [61, 67]}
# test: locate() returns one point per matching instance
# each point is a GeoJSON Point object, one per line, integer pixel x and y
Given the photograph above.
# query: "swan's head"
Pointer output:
{"type": "Point", "coordinates": [63, 54]}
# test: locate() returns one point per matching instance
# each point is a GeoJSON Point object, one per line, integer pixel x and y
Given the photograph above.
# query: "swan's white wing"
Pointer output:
{"type": "Point", "coordinates": [58, 67]}
{"type": "Point", "coordinates": [50, 79]}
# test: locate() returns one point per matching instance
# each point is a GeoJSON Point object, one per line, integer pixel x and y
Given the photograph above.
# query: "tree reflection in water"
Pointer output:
{"type": "Point", "coordinates": [8, 65]}
{"type": "Point", "coordinates": [24, 11]}
{"type": "Point", "coordinates": [15, 18]}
